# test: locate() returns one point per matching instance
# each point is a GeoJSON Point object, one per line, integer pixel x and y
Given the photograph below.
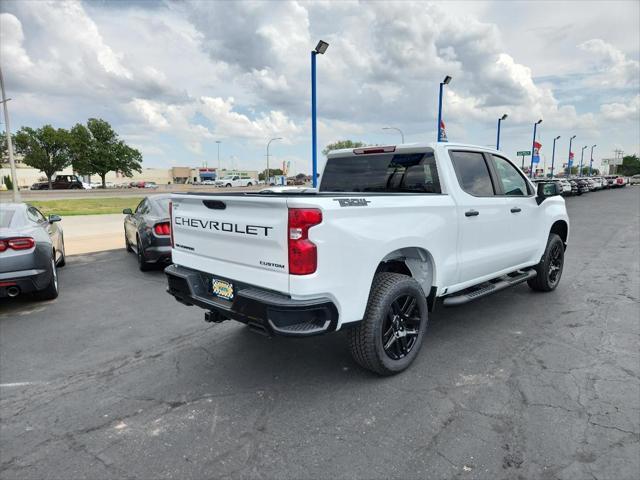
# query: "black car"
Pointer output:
{"type": "Point", "coordinates": [31, 250]}
{"type": "Point", "coordinates": [60, 182]}
{"type": "Point", "coordinates": [583, 186]}
{"type": "Point", "coordinates": [147, 231]}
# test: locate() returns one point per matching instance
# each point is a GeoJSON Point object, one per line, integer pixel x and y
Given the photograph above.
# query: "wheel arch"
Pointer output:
{"type": "Point", "coordinates": [560, 228]}
{"type": "Point", "coordinates": [415, 262]}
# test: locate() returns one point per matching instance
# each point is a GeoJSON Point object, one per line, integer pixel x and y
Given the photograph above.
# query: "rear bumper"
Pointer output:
{"type": "Point", "coordinates": [158, 254]}
{"type": "Point", "coordinates": [26, 280]}
{"type": "Point", "coordinates": [270, 312]}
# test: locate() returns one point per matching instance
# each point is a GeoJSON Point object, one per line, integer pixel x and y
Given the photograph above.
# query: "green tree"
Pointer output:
{"type": "Point", "coordinates": [96, 149]}
{"type": "Point", "coordinates": [4, 151]}
{"type": "Point", "coordinates": [46, 149]}
{"type": "Point", "coordinates": [341, 144]}
{"type": "Point", "coordinates": [273, 172]}
{"type": "Point", "coordinates": [630, 165]}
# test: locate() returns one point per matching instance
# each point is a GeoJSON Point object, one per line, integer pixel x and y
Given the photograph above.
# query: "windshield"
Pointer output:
{"type": "Point", "coordinates": [5, 217]}
{"type": "Point", "coordinates": [407, 172]}
{"type": "Point", "coordinates": [228, 177]}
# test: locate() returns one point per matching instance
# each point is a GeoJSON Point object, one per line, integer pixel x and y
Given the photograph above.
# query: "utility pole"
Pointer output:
{"type": "Point", "coordinates": [7, 131]}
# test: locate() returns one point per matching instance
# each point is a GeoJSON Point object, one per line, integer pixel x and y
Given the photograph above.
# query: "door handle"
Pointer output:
{"type": "Point", "coordinates": [471, 213]}
{"type": "Point", "coordinates": [516, 210]}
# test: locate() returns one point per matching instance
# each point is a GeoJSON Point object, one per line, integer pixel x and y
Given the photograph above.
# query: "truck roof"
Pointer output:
{"type": "Point", "coordinates": [411, 147]}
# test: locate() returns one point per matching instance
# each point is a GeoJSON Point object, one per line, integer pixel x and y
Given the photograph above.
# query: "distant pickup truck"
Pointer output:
{"type": "Point", "coordinates": [60, 182]}
{"type": "Point", "coordinates": [390, 232]}
{"type": "Point", "coordinates": [235, 181]}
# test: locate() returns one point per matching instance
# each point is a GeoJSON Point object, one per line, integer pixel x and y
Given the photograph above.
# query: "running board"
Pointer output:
{"type": "Point", "coordinates": [488, 288]}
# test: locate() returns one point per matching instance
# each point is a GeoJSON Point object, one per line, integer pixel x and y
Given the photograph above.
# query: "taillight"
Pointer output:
{"type": "Point", "coordinates": [171, 221]}
{"type": "Point", "coordinates": [17, 243]}
{"type": "Point", "coordinates": [303, 254]}
{"type": "Point", "coordinates": [162, 229]}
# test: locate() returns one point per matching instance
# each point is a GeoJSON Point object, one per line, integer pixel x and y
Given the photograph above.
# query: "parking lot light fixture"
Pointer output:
{"type": "Point", "coordinates": [446, 81]}
{"type": "Point", "coordinates": [569, 160]}
{"type": "Point", "coordinates": [581, 158]}
{"type": "Point", "coordinates": [533, 145]}
{"type": "Point", "coordinates": [266, 178]}
{"type": "Point", "coordinates": [7, 131]}
{"type": "Point", "coordinates": [591, 161]}
{"type": "Point", "coordinates": [553, 153]}
{"type": "Point", "coordinates": [504, 117]}
{"type": "Point", "coordinates": [219, 170]}
{"type": "Point", "coordinates": [396, 129]}
{"type": "Point", "coordinates": [320, 49]}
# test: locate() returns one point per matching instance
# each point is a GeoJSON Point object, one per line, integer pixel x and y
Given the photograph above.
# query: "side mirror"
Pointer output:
{"type": "Point", "coordinates": [546, 190]}
{"type": "Point", "coordinates": [54, 218]}
{"type": "Point", "coordinates": [127, 211]}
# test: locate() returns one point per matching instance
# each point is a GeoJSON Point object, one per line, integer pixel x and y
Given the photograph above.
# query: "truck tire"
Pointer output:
{"type": "Point", "coordinates": [390, 336]}
{"type": "Point", "coordinates": [51, 290]}
{"type": "Point", "coordinates": [550, 267]}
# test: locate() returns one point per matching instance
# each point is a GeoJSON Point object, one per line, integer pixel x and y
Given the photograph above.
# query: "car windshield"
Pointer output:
{"type": "Point", "coordinates": [228, 177]}
{"type": "Point", "coordinates": [5, 217]}
{"type": "Point", "coordinates": [163, 205]}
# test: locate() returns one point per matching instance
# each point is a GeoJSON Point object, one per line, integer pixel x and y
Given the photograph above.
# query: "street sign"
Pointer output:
{"type": "Point", "coordinates": [524, 153]}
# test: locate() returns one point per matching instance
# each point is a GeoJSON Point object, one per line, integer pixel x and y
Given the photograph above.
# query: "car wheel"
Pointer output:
{"type": "Point", "coordinates": [63, 256]}
{"type": "Point", "coordinates": [390, 336]}
{"type": "Point", "coordinates": [249, 184]}
{"type": "Point", "coordinates": [142, 263]}
{"type": "Point", "coordinates": [51, 290]}
{"type": "Point", "coordinates": [550, 267]}
{"type": "Point", "coordinates": [228, 185]}
{"type": "Point", "coordinates": [127, 245]}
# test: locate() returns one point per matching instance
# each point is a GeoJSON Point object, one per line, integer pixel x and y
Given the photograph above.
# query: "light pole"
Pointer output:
{"type": "Point", "coordinates": [266, 179]}
{"type": "Point", "coordinates": [581, 158]}
{"type": "Point", "coordinates": [569, 162]}
{"type": "Point", "coordinates": [396, 129]}
{"type": "Point", "coordinates": [591, 161]}
{"type": "Point", "coordinates": [533, 145]}
{"type": "Point", "coordinates": [320, 49]}
{"type": "Point", "coordinates": [444, 82]}
{"type": "Point", "coordinates": [553, 154]}
{"type": "Point", "coordinates": [7, 131]}
{"type": "Point", "coordinates": [219, 169]}
{"type": "Point", "coordinates": [504, 117]}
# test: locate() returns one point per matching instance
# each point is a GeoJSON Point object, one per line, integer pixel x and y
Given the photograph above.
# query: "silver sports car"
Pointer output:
{"type": "Point", "coordinates": [31, 250]}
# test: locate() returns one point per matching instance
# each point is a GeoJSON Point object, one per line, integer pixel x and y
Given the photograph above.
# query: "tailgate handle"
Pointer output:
{"type": "Point", "coordinates": [214, 204]}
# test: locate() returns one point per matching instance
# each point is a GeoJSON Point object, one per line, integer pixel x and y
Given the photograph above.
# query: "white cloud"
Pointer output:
{"type": "Point", "coordinates": [622, 111]}
{"type": "Point", "coordinates": [612, 67]}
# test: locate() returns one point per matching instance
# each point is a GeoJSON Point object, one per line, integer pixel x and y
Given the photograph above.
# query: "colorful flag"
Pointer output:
{"type": "Point", "coordinates": [443, 132]}
{"type": "Point", "coordinates": [570, 159]}
{"type": "Point", "coordinates": [536, 152]}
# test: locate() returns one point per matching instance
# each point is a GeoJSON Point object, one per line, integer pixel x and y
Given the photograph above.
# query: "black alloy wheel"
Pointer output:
{"type": "Point", "coordinates": [401, 327]}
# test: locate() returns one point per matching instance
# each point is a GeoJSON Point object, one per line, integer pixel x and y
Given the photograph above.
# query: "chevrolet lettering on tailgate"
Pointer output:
{"type": "Point", "coordinates": [229, 227]}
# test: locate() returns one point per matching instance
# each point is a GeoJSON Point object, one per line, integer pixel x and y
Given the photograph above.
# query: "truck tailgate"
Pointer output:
{"type": "Point", "coordinates": [236, 237]}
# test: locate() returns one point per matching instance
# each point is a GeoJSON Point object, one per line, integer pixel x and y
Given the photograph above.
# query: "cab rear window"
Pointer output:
{"type": "Point", "coordinates": [404, 173]}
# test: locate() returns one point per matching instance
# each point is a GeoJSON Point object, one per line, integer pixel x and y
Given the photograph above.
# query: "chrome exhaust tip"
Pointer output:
{"type": "Point", "coordinates": [13, 291]}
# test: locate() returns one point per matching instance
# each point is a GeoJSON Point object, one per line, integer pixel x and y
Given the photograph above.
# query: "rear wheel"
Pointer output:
{"type": "Point", "coordinates": [550, 267]}
{"type": "Point", "coordinates": [63, 257]}
{"type": "Point", "coordinates": [51, 290]}
{"type": "Point", "coordinates": [228, 185]}
{"type": "Point", "coordinates": [142, 263]}
{"type": "Point", "coordinates": [390, 336]}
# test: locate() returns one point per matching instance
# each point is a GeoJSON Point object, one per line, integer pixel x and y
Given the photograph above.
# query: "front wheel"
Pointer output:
{"type": "Point", "coordinates": [228, 185]}
{"type": "Point", "coordinates": [390, 336]}
{"type": "Point", "coordinates": [550, 267]}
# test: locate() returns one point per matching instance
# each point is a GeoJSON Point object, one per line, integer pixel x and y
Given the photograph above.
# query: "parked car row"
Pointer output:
{"type": "Point", "coordinates": [579, 185]}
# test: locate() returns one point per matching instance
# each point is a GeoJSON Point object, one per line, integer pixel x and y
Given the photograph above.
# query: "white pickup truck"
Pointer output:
{"type": "Point", "coordinates": [391, 232]}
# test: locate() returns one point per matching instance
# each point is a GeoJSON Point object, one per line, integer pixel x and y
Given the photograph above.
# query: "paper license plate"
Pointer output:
{"type": "Point", "coordinates": [222, 289]}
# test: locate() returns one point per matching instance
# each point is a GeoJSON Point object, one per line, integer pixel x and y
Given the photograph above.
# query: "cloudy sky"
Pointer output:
{"type": "Point", "coordinates": [173, 78]}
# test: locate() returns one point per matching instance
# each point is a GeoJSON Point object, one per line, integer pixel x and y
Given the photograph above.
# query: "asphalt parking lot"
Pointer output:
{"type": "Point", "coordinates": [115, 379]}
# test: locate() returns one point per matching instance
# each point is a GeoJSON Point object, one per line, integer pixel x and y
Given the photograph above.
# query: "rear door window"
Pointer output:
{"type": "Point", "coordinates": [403, 173]}
{"type": "Point", "coordinates": [473, 173]}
